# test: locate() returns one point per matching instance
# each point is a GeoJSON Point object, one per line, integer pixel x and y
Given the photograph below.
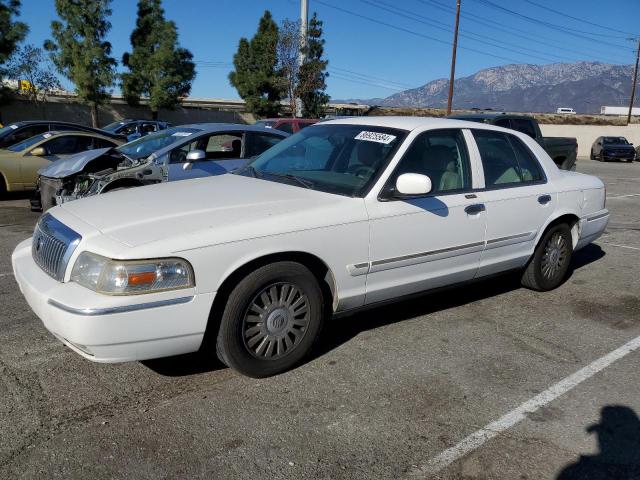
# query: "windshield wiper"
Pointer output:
{"type": "Point", "coordinates": [300, 181]}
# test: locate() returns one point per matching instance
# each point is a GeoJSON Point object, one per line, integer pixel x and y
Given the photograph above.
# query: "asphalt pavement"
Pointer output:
{"type": "Point", "coordinates": [488, 380]}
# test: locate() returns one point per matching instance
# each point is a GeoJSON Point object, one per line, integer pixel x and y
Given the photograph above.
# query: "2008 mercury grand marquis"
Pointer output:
{"type": "Point", "coordinates": [342, 215]}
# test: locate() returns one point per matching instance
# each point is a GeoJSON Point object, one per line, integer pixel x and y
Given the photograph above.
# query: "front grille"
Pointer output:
{"type": "Point", "coordinates": [52, 246]}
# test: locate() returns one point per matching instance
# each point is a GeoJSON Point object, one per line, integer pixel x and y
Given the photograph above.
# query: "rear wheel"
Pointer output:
{"type": "Point", "coordinates": [271, 320]}
{"type": "Point", "coordinates": [548, 267]}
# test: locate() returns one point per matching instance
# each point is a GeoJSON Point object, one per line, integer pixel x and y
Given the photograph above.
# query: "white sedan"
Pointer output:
{"type": "Point", "coordinates": [343, 215]}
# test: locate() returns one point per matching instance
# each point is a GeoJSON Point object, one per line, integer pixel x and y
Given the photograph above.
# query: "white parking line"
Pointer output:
{"type": "Point", "coordinates": [610, 197]}
{"type": "Point", "coordinates": [480, 437]}
{"type": "Point", "coordinates": [617, 245]}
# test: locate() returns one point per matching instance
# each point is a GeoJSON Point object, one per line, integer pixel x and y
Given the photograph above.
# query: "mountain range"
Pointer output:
{"type": "Point", "coordinates": [583, 86]}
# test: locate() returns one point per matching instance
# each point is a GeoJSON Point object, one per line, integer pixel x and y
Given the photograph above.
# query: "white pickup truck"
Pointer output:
{"type": "Point", "coordinates": [341, 216]}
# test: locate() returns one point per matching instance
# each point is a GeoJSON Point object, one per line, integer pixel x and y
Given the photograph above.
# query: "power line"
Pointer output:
{"type": "Point", "coordinates": [444, 27]}
{"type": "Point", "coordinates": [558, 28]}
{"type": "Point", "coordinates": [581, 20]}
{"type": "Point", "coordinates": [412, 32]}
{"type": "Point", "coordinates": [511, 31]}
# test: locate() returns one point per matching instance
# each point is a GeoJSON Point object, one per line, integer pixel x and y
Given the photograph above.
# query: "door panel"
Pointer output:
{"type": "Point", "coordinates": [427, 242]}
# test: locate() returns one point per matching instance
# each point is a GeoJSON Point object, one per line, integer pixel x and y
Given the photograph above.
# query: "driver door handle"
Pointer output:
{"type": "Point", "coordinates": [475, 208]}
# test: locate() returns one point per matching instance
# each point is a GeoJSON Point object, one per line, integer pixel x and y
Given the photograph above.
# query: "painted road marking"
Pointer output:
{"type": "Point", "coordinates": [617, 245]}
{"type": "Point", "coordinates": [515, 416]}
{"type": "Point", "coordinates": [623, 196]}
{"type": "Point", "coordinates": [6, 274]}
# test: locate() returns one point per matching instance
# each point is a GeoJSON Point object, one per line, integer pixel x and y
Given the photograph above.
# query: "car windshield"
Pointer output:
{"type": "Point", "coordinates": [615, 141]}
{"type": "Point", "coordinates": [112, 127]}
{"type": "Point", "coordinates": [145, 146]}
{"type": "Point", "coordinates": [23, 145]}
{"type": "Point", "coordinates": [338, 158]}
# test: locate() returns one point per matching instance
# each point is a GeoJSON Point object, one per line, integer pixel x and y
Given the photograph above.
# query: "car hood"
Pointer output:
{"type": "Point", "coordinates": [73, 164]}
{"type": "Point", "coordinates": [208, 211]}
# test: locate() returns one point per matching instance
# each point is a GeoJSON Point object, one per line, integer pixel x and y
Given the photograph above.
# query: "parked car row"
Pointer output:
{"type": "Point", "coordinates": [340, 216]}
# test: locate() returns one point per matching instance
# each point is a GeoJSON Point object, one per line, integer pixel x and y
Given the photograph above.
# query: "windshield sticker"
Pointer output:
{"type": "Point", "coordinates": [376, 137]}
{"type": "Point", "coordinates": [46, 135]}
{"type": "Point", "coordinates": [181, 134]}
{"type": "Point", "coordinates": [13, 127]}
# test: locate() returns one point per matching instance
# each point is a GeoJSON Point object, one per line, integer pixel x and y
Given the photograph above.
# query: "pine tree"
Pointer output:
{"type": "Point", "coordinates": [158, 67]}
{"type": "Point", "coordinates": [256, 75]}
{"type": "Point", "coordinates": [312, 75]}
{"type": "Point", "coordinates": [11, 32]}
{"type": "Point", "coordinates": [80, 52]}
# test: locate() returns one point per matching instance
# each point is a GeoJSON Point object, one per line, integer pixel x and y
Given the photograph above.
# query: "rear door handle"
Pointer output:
{"type": "Point", "coordinates": [475, 208]}
{"type": "Point", "coordinates": [544, 199]}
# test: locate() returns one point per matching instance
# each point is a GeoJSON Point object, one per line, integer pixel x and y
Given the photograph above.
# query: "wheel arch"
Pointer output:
{"type": "Point", "coordinates": [321, 271]}
{"type": "Point", "coordinates": [570, 218]}
{"type": "Point", "coordinates": [4, 186]}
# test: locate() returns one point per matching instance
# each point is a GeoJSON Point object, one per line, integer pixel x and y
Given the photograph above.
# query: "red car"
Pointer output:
{"type": "Point", "coordinates": [289, 125]}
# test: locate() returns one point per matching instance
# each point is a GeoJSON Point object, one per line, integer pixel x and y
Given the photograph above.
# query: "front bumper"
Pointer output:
{"type": "Point", "coordinates": [591, 227]}
{"type": "Point", "coordinates": [113, 329]}
{"type": "Point", "coordinates": [631, 155]}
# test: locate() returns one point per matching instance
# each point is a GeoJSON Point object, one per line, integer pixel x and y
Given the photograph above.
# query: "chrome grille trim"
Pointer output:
{"type": "Point", "coordinates": [52, 246]}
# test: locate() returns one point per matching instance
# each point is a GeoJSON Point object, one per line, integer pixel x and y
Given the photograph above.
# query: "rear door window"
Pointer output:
{"type": "Point", "coordinates": [504, 123]}
{"type": "Point", "coordinates": [525, 126]}
{"type": "Point", "coordinates": [258, 143]}
{"type": "Point", "coordinates": [28, 132]}
{"type": "Point", "coordinates": [506, 160]}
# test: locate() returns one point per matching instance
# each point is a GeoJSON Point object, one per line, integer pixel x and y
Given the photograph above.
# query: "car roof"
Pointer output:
{"type": "Point", "coordinates": [407, 123]}
{"type": "Point", "coordinates": [229, 127]}
{"type": "Point", "coordinates": [488, 115]}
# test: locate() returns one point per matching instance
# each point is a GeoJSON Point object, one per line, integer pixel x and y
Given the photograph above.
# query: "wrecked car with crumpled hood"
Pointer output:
{"type": "Point", "coordinates": [177, 153]}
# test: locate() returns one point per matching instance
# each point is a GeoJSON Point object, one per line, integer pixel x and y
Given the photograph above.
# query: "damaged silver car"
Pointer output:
{"type": "Point", "coordinates": [177, 153]}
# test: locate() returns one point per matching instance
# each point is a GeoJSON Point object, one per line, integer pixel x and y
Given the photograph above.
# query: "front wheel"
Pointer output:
{"type": "Point", "coordinates": [548, 267]}
{"type": "Point", "coordinates": [271, 320]}
{"type": "Point", "coordinates": [592, 156]}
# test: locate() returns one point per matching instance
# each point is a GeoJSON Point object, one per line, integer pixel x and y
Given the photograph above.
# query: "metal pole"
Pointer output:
{"type": "Point", "coordinates": [304, 20]}
{"type": "Point", "coordinates": [633, 85]}
{"type": "Point", "coordinates": [453, 59]}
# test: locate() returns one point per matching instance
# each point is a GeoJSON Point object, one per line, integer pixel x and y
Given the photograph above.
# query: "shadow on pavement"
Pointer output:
{"type": "Point", "coordinates": [619, 443]}
{"type": "Point", "coordinates": [184, 365]}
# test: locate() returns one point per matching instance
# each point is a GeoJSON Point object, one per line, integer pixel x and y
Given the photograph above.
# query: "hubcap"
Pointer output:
{"type": "Point", "coordinates": [555, 255]}
{"type": "Point", "coordinates": [276, 321]}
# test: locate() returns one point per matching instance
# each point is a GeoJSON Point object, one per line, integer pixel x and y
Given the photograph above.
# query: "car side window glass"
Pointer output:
{"type": "Point", "coordinates": [442, 156]}
{"type": "Point", "coordinates": [504, 123]}
{"type": "Point", "coordinates": [102, 143]}
{"type": "Point", "coordinates": [499, 160]}
{"type": "Point", "coordinates": [302, 125]}
{"type": "Point", "coordinates": [530, 169]}
{"type": "Point", "coordinates": [258, 143]}
{"type": "Point", "coordinates": [223, 146]}
{"type": "Point", "coordinates": [148, 128]}
{"type": "Point", "coordinates": [28, 132]}
{"type": "Point", "coordinates": [524, 126]}
{"type": "Point", "coordinates": [61, 145]}
{"type": "Point", "coordinates": [127, 129]}
{"type": "Point", "coordinates": [286, 127]}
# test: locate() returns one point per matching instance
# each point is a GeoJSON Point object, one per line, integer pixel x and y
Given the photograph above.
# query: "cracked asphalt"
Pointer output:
{"type": "Point", "coordinates": [386, 390]}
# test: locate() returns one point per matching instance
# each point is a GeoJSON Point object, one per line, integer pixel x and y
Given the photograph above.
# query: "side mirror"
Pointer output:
{"type": "Point", "coordinates": [413, 184]}
{"type": "Point", "coordinates": [39, 152]}
{"type": "Point", "coordinates": [187, 166]}
{"type": "Point", "coordinates": [195, 156]}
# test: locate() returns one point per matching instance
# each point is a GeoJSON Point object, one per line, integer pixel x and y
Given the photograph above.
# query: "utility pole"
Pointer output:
{"type": "Point", "coordinates": [304, 21]}
{"type": "Point", "coordinates": [453, 58]}
{"type": "Point", "coordinates": [633, 85]}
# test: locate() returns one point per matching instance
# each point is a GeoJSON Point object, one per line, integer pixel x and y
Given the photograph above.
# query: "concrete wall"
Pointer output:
{"type": "Point", "coordinates": [71, 111]}
{"type": "Point", "coordinates": [587, 134]}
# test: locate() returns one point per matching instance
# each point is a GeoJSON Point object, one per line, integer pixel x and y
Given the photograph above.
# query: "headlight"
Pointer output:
{"type": "Point", "coordinates": [131, 277]}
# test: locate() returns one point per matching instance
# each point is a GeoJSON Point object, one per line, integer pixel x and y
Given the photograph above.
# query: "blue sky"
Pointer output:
{"type": "Point", "coordinates": [410, 46]}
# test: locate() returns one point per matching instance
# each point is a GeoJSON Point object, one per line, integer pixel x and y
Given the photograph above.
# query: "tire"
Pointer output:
{"type": "Point", "coordinates": [283, 324]}
{"type": "Point", "coordinates": [3, 186]}
{"type": "Point", "coordinates": [592, 156]}
{"type": "Point", "coordinates": [601, 157]}
{"type": "Point", "coordinates": [550, 262]}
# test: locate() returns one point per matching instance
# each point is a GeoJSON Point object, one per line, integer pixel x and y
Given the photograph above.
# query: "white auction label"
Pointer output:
{"type": "Point", "coordinates": [376, 137]}
{"type": "Point", "coordinates": [181, 134]}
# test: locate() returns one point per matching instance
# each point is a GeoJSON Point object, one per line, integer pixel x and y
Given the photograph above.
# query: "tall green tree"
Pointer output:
{"type": "Point", "coordinates": [312, 74]}
{"type": "Point", "coordinates": [11, 33]}
{"type": "Point", "coordinates": [158, 67]}
{"type": "Point", "coordinates": [289, 59]}
{"type": "Point", "coordinates": [81, 53]}
{"type": "Point", "coordinates": [256, 70]}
